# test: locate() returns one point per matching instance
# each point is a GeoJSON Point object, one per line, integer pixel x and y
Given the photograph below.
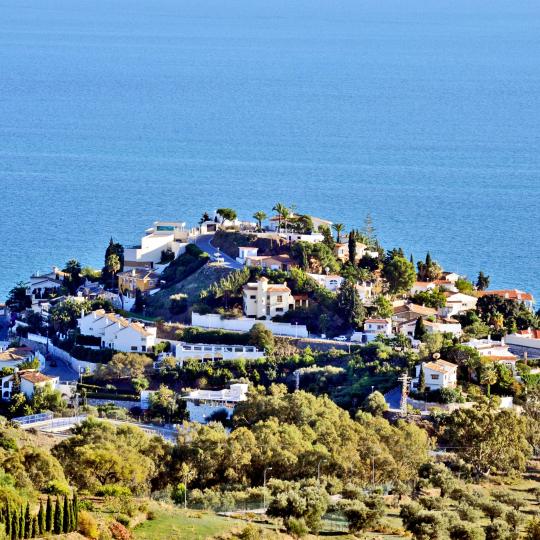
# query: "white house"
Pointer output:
{"type": "Point", "coordinates": [291, 237]}
{"type": "Point", "coordinates": [525, 340]}
{"type": "Point", "coordinates": [341, 251]}
{"type": "Point", "coordinates": [202, 404]}
{"type": "Point", "coordinates": [245, 252]}
{"type": "Point", "coordinates": [163, 236]}
{"type": "Point", "coordinates": [422, 286]}
{"type": "Point", "coordinates": [331, 282]}
{"type": "Point", "coordinates": [266, 300]}
{"type": "Point", "coordinates": [364, 291]}
{"type": "Point", "coordinates": [42, 285]}
{"type": "Point", "coordinates": [437, 375]}
{"type": "Point", "coordinates": [211, 352]}
{"type": "Point", "coordinates": [6, 386]}
{"type": "Point", "coordinates": [14, 357]}
{"type": "Point", "coordinates": [118, 333]}
{"type": "Point", "coordinates": [442, 326]}
{"type": "Point", "coordinates": [497, 351]}
{"type": "Point", "coordinates": [457, 303]}
{"type": "Point", "coordinates": [372, 329]}
{"type": "Point", "coordinates": [32, 380]}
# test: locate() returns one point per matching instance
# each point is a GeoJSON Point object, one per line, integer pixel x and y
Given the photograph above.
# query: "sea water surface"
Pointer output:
{"type": "Point", "coordinates": [115, 113]}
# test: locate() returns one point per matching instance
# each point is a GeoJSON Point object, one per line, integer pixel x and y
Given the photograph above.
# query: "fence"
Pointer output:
{"type": "Point", "coordinates": [244, 324]}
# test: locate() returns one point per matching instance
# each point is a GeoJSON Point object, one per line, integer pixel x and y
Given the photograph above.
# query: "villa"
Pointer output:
{"type": "Point", "coordinates": [437, 375]}
{"type": "Point", "coordinates": [162, 237]}
{"type": "Point", "coordinates": [15, 356]}
{"type": "Point", "coordinates": [142, 279]}
{"type": "Point", "coordinates": [266, 300]}
{"type": "Point", "coordinates": [32, 380]}
{"type": "Point", "coordinates": [271, 262]}
{"type": "Point", "coordinates": [203, 404]}
{"type": "Point", "coordinates": [373, 328]}
{"type": "Point", "coordinates": [330, 282]}
{"type": "Point", "coordinates": [457, 303]}
{"type": "Point", "coordinates": [42, 285]}
{"type": "Point", "coordinates": [116, 332]}
{"type": "Point", "coordinates": [341, 251]}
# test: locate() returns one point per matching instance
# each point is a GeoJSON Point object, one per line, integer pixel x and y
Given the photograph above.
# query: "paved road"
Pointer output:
{"type": "Point", "coordinates": [204, 242]}
{"type": "Point", "coordinates": [62, 370]}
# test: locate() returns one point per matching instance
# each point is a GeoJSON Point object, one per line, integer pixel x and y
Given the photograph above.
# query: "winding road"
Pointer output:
{"type": "Point", "coordinates": [204, 242]}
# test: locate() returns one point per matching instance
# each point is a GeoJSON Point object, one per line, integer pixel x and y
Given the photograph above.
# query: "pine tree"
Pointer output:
{"type": "Point", "coordinates": [58, 517]}
{"type": "Point", "coordinates": [41, 520]}
{"type": "Point", "coordinates": [27, 522]}
{"type": "Point", "coordinates": [66, 516]}
{"type": "Point", "coordinates": [49, 515]}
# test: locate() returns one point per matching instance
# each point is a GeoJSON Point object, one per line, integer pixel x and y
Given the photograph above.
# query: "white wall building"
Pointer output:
{"type": "Point", "coordinates": [31, 380]}
{"type": "Point", "coordinates": [201, 404]}
{"type": "Point", "coordinates": [437, 375]}
{"type": "Point", "coordinates": [210, 352]}
{"type": "Point", "coordinates": [246, 252]}
{"type": "Point", "coordinates": [14, 357]}
{"type": "Point", "coordinates": [291, 237]}
{"type": "Point", "coordinates": [457, 303]}
{"type": "Point", "coordinates": [266, 300]}
{"type": "Point", "coordinates": [331, 282]}
{"type": "Point", "coordinates": [163, 236]}
{"type": "Point", "coordinates": [372, 329]}
{"type": "Point", "coordinates": [118, 333]}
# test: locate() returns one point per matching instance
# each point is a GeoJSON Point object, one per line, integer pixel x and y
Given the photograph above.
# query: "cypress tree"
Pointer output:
{"type": "Point", "coordinates": [27, 522]}
{"type": "Point", "coordinates": [419, 329]}
{"type": "Point", "coordinates": [35, 527]}
{"type": "Point", "coordinates": [66, 516]}
{"type": "Point", "coordinates": [21, 523]}
{"type": "Point", "coordinates": [422, 380]}
{"type": "Point", "coordinates": [14, 526]}
{"type": "Point", "coordinates": [58, 520]}
{"type": "Point", "coordinates": [7, 519]}
{"type": "Point", "coordinates": [352, 247]}
{"type": "Point", "coordinates": [48, 515]}
{"type": "Point", "coordinates": [75, 505]}
{"type": "Point", "coordinates": [41, 519]}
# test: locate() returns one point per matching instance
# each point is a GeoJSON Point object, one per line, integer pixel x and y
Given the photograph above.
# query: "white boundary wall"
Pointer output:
{"type": "Point", "coordinates": [244, 324]}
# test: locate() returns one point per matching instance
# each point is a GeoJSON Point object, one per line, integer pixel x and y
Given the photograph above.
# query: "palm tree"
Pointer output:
{"type": "Point", "coordinates": [280, 209]}
{"type": "Point", "coordinates": [113, 266]}
{"type": "Point", "coordinates": [286, 215]}
{"type": "Point", "coordinates": [338, 227]}
{"type": "Point", "coordinates": [489, 377]}
{"type": "Point", "coordinates": [259, 216]}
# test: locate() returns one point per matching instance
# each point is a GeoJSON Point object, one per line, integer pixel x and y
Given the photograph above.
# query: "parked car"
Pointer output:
{"type": "Point", "coordinates": [340, 338]}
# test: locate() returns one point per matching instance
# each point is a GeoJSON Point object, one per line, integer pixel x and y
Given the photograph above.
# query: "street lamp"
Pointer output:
{"type": "Point", "coordinates": [296, 330]}
{"type": "Point", "coordinates": [319, 470]}
{"type": "Point", "coordinates": [264, 486]}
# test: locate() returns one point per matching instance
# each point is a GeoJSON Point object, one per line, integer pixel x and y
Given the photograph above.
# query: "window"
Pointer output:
{"type": "Point", "coordinates": [279, 299]}
{"type": "Point", "coordinates": [134, 348]}
{"type": "Point", "coordinates": [6, 384]}
{"type": "Point", "coordinates": [143, 348]}
{"type": "Point", "coordinates": [435, 377]}
{"type": "Point", "coordinates": [279, 309]}
{"type": "Point", "coordinates": [253, 297]}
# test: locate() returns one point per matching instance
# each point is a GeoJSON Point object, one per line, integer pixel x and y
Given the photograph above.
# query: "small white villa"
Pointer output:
{"type": "Point", "coordinates": [331, 282]}
{"type": "Point", "coordinates": [206, 352]}
{"type": "Point", "coordinates": [457, 303]}
{"type": "Point", "coordinates": [373, 328]}
{"type": "Point", "coordinates": [15, 356]}
{"type": "Point", "coordinates": [202, 404]}
{"type": "Point", "coordinates": [118, 333]}
{"type": "Point", "coordinates": [162, 236]}
{"type": "Point", "coordinates": [32, 380]}
{"type": "Point", "coordinates": [437, 375]}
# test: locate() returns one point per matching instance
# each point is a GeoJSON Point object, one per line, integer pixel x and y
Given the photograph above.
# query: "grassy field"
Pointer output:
{"type": "Point", "coordinates": [177, 524]}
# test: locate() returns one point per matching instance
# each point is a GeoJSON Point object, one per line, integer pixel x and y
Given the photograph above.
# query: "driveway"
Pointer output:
{"type": "Point", "coordinates": [204, 242]}
{"type": "Point", "coordinates": [61, 370]}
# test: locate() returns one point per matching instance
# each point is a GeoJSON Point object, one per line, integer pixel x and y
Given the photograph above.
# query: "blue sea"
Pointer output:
{"type": "Point", "coordinates": [424, 113]}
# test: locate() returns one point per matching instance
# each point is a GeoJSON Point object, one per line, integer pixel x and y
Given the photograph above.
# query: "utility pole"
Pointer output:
{"type": "Point", "coordinates": [405, 380]}
{"type": "Point", "coordinates": [264, 486]}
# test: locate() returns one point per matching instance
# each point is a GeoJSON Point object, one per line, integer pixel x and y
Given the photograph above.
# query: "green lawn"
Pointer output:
{"type": "Point", "coordinates": [177, 524]}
